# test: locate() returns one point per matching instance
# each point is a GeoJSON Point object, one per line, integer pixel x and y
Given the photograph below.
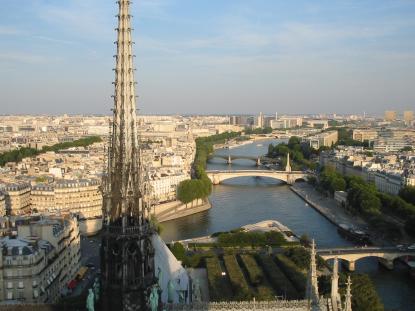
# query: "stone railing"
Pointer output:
{"type": "Point", "coordinates": [283, 305]}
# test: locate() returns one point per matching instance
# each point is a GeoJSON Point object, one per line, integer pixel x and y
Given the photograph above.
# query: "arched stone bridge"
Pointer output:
{"type": "Point", "coordinates": [385, 255]}
{"type": "Point", "coordinates": [230, 158]}
{"type": "Point", "coordinates": [289, 177]}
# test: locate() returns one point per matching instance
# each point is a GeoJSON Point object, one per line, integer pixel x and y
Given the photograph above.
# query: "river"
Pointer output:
{"type": "Point", "coordinates": [245, 200]}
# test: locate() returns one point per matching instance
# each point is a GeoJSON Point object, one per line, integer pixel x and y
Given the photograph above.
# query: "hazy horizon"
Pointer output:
{"type": "Point", "coordinates": [215, 57]}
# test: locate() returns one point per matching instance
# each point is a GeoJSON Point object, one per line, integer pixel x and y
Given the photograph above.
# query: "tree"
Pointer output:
{"type": "Point", "coordinates": [407, 148]}
{"type": "Point", "coordinates": [365, 297]}
{"type": "Point", "coordinates": [270, 150]}
{"type": "Point", "coordinates": [410, 226]}
{"type": "Point", "coordinates": [408, 194]}
{"type": "Point", "coordinates": [294, 140]}
{"type": "Point", "coordinates": [178, 251]}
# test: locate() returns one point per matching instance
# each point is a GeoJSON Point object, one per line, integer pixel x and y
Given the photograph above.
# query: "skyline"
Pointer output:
{"type": "Point", "coordinates": [241, 56]}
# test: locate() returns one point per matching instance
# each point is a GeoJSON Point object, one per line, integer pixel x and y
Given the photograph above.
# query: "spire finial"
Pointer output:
{"type": "Point", "coordinates": [335, 297]}
{"type": "Point", "coordinates": [312, 286]}
{"type": "Point", "coordinates": [348, 296]}
{"type": "Point", "coordinates": [288, 166]}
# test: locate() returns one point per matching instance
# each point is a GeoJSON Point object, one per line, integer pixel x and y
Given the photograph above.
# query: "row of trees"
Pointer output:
{"type": "Point", "coordinates": [25, 152]}
{"type": "Point", "coordinates": [258, 131]}
{"type": "Point", "coordinates": [300, 154]}
{"type": "Point", "coordinates": [364, 199]}
{"type": "Point", "coordinates": [200, 186]}
{"type": "Point", "coordinates": [240, 239]}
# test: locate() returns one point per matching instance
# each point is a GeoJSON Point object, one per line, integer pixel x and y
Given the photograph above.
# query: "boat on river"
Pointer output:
{"type": "Point", "coordinates": [353, 234]}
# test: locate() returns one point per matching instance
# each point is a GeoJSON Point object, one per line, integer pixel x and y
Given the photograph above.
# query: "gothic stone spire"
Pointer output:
{"type": "Point", "coordinates": [335, 297]}
{"type": "Point", "coordinates": [348, 296]}
{"type": "Point", "coordinates": [127, 254]}
{"type": "Point", "coordinates": [123, 182]}
{"type": "Point", "coordinates": [312, 286]}
{"type": "Point", "coordinates": [288, 166]}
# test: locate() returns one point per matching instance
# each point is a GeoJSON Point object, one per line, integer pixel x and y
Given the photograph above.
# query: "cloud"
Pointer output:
{"type": "Point", "coordinates": [81, 18]}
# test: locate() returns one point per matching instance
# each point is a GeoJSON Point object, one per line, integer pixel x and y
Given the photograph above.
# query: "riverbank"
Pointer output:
{"type": "Point", "coordinates": [176, 209]}
{"type": "Point", "coordinates": [337, 215]}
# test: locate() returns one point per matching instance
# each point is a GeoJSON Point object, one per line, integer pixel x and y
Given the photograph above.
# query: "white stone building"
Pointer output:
{"type": "Point", "coordinates": [37, 264]}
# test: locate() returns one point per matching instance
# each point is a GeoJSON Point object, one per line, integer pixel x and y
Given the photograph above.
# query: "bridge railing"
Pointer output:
{"type": "Point", "coordinates": [362, 250]}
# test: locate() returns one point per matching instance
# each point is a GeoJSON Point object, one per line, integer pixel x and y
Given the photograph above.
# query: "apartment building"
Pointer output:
{"type": "Point", "coordinates": [37, 264]}
{"type": "Point", "coordinates": [17, 197]}
{"type": "Point", "coordinates": [326, 139]}
{"type": "Point", "coordinates": [365, 134]}
{"type": "Point", "coordinates": [2, 204]}
{"type": "Point", "coordinates": [81, 196]}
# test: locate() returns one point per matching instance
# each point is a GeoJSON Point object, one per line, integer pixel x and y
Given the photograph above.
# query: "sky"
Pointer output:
{"type": "Point", "coordinates": [211, 56]}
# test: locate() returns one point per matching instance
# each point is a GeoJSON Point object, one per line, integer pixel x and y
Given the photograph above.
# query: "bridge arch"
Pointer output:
{"type": "Point", "coordinates": [289, 177]}
{"type": "Point", "coordinates": [230, 158]}
{"type": "Point", "coordinates": [386, 256]}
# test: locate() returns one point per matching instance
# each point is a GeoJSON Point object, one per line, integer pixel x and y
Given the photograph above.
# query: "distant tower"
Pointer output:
{"type": "Point", "coordinates": [408, 117]}
{"type": "Point", "coordinates": [312, 285]}
{"type": "Point", "coordinates": [390, 115]}
{"type": "Point", "coordinates": [335, 297]}
{"type": "Point", "coordinates": [261, 120]}
{"type": "Point", "coordinates": [127, 255]}
{"type": "Point", "coordinates": [348, 296]}
{"type": "Point", "coordinates": [288, 166]}
{"type": "Point", "coordinates": [276, 116]}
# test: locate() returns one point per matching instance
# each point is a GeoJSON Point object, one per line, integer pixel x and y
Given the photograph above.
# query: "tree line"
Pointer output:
{"type": "Point", "coordinates": [258, 131]}
{"type": "Point", "coordinates": [200, 186]}
{"type": "Point", "coordinates": [25, 152]}
{"type": "Point", "coordinates": [300, 153]}
{"type": "Point", "coordinates": [364, 199]}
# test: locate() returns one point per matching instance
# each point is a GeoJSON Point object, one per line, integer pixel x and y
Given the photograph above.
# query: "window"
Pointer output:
{"type": "Point", "coordinates": [9, 284]}
{"type": "Point", "coordinates": [9, 295]}
{"type": "Point", "coordinates": [21, 285]}
{"type": "Point", "coordinates": [35, 293]}
{"type": "Point", "coordinates": [20, 294]}
{"type": "Point", "coordinates": [34, 283]}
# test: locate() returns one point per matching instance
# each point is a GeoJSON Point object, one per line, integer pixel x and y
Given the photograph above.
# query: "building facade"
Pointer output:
{"type": "Point", "coordinates": [17, 198]}
{"type": "Point", "coordinates": [326, 139]}
{"type": "Point", "coordinates": [37, 264]}
{"type": "Point", "coordinates": [2, 204]}
{"type": "Point", "coordinates": [81, 196]}
{"type": "Point", "coordinates": [365, 134]}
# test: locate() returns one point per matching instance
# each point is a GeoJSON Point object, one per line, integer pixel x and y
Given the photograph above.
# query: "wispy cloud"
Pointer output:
{"type": "Point", "coordinates": [79, 18]}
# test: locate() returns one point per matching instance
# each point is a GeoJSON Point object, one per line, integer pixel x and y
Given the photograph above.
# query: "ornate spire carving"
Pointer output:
{"type": "Point", "coordinates": [123, 181]}
{"type": "Point", "coordinates": [348, 296]}
{"type": "Point", "coordinates": [127, 255]}
{"type": "Point", "coordinates": [335, 297]}
{"type": "Point", "coordinates": [312, 286]}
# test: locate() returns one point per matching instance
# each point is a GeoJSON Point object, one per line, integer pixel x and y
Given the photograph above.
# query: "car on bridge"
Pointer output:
{"type": "Point", "coordinates": [401, 247]}
{"type": "Point", "coordinates": [411, 247]}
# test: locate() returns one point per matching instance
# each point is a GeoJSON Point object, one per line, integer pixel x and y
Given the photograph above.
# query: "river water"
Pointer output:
{"type": "Point", "coordinates": [245, 200]}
